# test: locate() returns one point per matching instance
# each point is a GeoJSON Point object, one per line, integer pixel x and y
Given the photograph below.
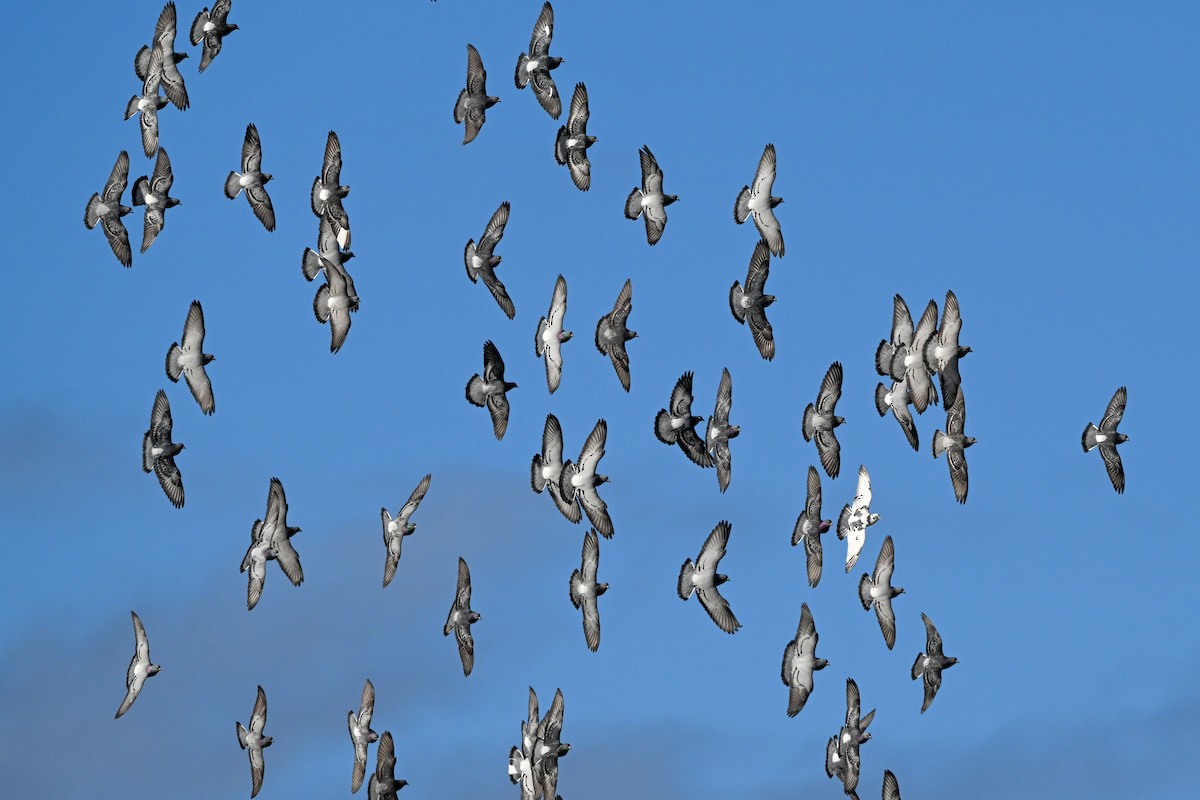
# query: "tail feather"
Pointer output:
{"type": "Point", "coordinates": [735, 302]}
{"type": "Point", "coordinates": [741, 206]}
{"type": "Point", "coordinates": [560, 145]}
{"type": "Point", "coordinates": [865, 722]}
{"type": "Point", "coordinates": [321, 304]}
{"type": "Point", "coordinates": [881, 399]}
{"type": "Point", "coordinates": [90, 215]}
{"type": "Point", "coordinates": [311, 264]}
{"type": "Point", "coordinates": [460, 107]}
{"type": "Point", "coordinates": [141, 188]}
{"type": "Point", "coordinates": [916, 667]}
{"type": "Point", "coordinates": [883, 357]}
{"type": "Point", "coordinates": [174, 370]}
{"type": "Point", "coordinates": [521, 76]}
{"type": "Point", "coordinates": [809, 428]}
{"type": "Point", "coordinates": [864, 591]}
{"type": "Point", "coordinates": [132, 107]}
{"type": "Point", "coordinates": [663, 430]}
{"type": "Point", "coordinates": [197, 31]}
{"type": "Point", "coordinates": [1089, 437]}
{"type": "Point", "coordinates": [535, 474]}
{"type": "Point", "coordinates": [147, 457]}
{"type": "Point", "coordinates": [141, 62]}
{"type": "Point", "coordinates": [576, 599]}
{"type": "Point", "coordinates": [633, 204]}
{"type": "Point", "coordinates": [468, 254]}
{"type": "Point", "coordinates": [565, 489]}
{"type": "Point", "coordinates": [476, 396]}
{"type": "Point", "coordinates": [939, 443]}
{"type": "Point", "coordinates": [843, 526]}
{"type": "Point", "coordinates": [685, 579]}
{"type": "Point", "coordinates": [233, 185]}
{"type": "Point", "coordinates": [538, 346]}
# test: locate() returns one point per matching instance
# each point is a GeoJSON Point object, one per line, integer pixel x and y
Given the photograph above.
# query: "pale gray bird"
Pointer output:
{"type": "Point", "coordinates": [877, 590]}
{"type": "Point", "coordinates": [799, 662]}
{"type": "Point", "coordinates": [929, 665]}
{"type": "Point", "coordinates": [534, 67]}
{"type": "Point", "coordinates": [333, 302]}
{"type": "Point", "coordinates": [491, 389]}
{"type": "Point", "coordinates": [942, 351]}
{"type": "Point", "coordinates": [572, 142]}
{"type": "Point", "coordinates": [891, 788]}
{"type": "Point", "coordinates": [394, 530]}
{"type": "Point", "coordinates": [584, 589]}
{"type": "Point", "coordinates": [852, 736]}
{"type": "Point", "coordinates": [549, 748]}
{"type": "Point", "coordinates": [160, 57]}
{"type": "Point", "coordinates": [361, 734]}
{"type": "Point", "coordinates": [720, 431]}
{"type": "Point", "coordinates": [383, 784]}
{"type": "Point", "coordinates": [953, 442]}
{"type": "Point", "coordinates": [703, 578]}
{"type": "Point", "coordinates": [550, 335]}
{"type": "Point", "coordinates": [253, 180]}
{"type": "Point", "coordinates": [211, 27]}
{"type": "Point", "coordinates": [481, 261]}
{"type": "Point", "coordinates": [819, 421]}
{"type": "Point", "coordinates": [836, 766]}
{"type": "Point", "coordinates": [749, 304]}
{"type": "Point", "coordinates": [649, 201]}
{"type": "Point", "coordinates": [757, 201]}
{"type": "Point", "coordinates": [810, 526]}
{"type": "Point", "coordinates": [579, 480]}
{"type": "Point", "coordinates": [521, 760]}
{"type": "Point", "coordinates": [328, 256]}
{"type": "Point", "coordinates": [271, 539]}
{"type": "Point", "coordinates": [612, 332]}
{"type": "Point", "coordinates": [902, 356]}
{"type": "Point", "coordinates": [187, 358]}
{"type": "Point", "coordinates": [158, 451]}
{"type": "Point", "coordinates": [546, 468]}
{"type": "Point", "coordinates": [105, 208]}
{"type": "Point", "coordinates": [677, 424]}
{"type": "Point", "coordinates": [461, 618]}
{"type": "Point", "coordinates": [897, 400]}
{"type": "Point", "coordinates": [140, 667]}
{"type": "Point", "coordinates": [327, 191]}
{"type": "Point", "coordinates": [153, 193]}
{"type": "Point", "coordinates": [855, 518]}
{"type": "Point", "coordinates": [1107, 438]}
{"type": "Point", "coordinates": [147, 105]}
{"type": "Point", "coordinates": [253, 741]}
{"type": "Point", "coordinates": [473, 101]}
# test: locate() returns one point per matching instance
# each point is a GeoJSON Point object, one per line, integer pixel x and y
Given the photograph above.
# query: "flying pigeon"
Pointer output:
{"type": "Point", "coordinates": [678, 425]}
{"type": "Point", "coordinates": [612, 333]}
{"type": "Point", "coordinates": [153, 193]}
{"type": "Point", "coordinates": [902, 356]}
{"type": "Point", "coordinates": [106, 209]}
{"type": "Point", "coordinates": [572, 142]}
{"type": "Point", "coordinates": [271, 539]}
{"type": "Point", "coordinates": [140, 667]}
{"type": "Point", "coordinates": [160, 58]}
{"type": "Point", "coordinates": [158, 451]}
{"type": "Point", "coordinates": [810, 526]}
{"type": "Point", "coordinates": [547, 467]}
{"type": "Point", "coordinates": [189, 359]}
{"type": "Point", "coordinates": [856, 518]}
{"type": "Point", "coordinates": [942, 351]}
{"type": "Point", "coordinates": [852, 736]}
{"type": "Point", "coordinates": [1106, 437]}
{"type": "Point", "coordinates": [749, 304]}
{"type": "Point", "coordinates": [897, 400]}
{"type": "Point", "coordinates": [361, 734]}
{"type": "Point", "coordinates": [383, 784]}
{"type": "Point", "coordinates": [147, 105]}
{"type": "Point", "coordinates": [327, 256]}
{"type": "Point", "coordinates": [394, 530]}
{"type": "Point", "coordinates": [473, 101]}
{"type": "Point", "coordinates": [254, 741]}
{"type": "Point", "coordinates": [953, 442]}
{"type": "Point", "coordinates": [211, 27]}
{"type": "Point", "coordinates": [491, 389]}
{"type": "Point", "coordinates": [461, 618]}
{"type": "Point", "coordinates": [929, 665]}
{"type": "Point", "coordinates": [650, 200]}
{"type": "Point", "coordinates": [481, 262]}
{"type": "Point", "coordinates": [891, 789]}
{"type": "Point", "coordinates": [580, 480]}
{"type": "Point", "coordinates": [799, 661]}
{"type": "Point", "coordinates": [253, 180]}
{"type": "Point", "coordinates": [759, 203]}
{"type": "Point", "coordinates": [584, 590]}
{"type": "Point", "coordinates": [520, 760]}
{"type": "Point", "coordinates": [327, 191]}
{"type": "Point", "coordinates": [548, 747]}
{"type": "Point", "coordinates": [838, 766]}
{"type": "Point", "coordinates": [333, 303]}
{"type": "Point", "coordinates": [819, 421]}
{"type": "Point", "coordinates": [877, 590]}
{"type": "Point", "coordinates": [550, 335]}
{"type": "Point", "coordinates": [720, 431]}
{"type": "Point", "coordinates": [704, 579]}
{"type": "Point", "coordinates": [534, 67]}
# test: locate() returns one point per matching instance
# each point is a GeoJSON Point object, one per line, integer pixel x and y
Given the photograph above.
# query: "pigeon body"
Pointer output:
{"type": "Point", "coordinates": [211, 27]}
{"type": "Point", "coordinates": [897, 399]}
{"type": "Point", "coordinates": [534, 67]}
{"type": "Point", "coordinates": [852, 736]}
{"type": "Point", "coordinates": [548, 748]}
{"type": "Point", "coordinates": [1107, 438]}
{"type": "Point", "coordinates": [550, 335]}
{"type": "Point", "coordinates": [546, 469]}
{"type": "Point", "coordinates": [757, 201]}
{"type": "Point", "coordinates": [819, 421]}
{"type": "Point", "coordinates": [749, 304]}
{"type": "Point", "coordinates": [929, 665]}
{"type": "Point", "coordinates": [327, 191]}
{"type": "Point", "coordinates": [187, 358]}
{"type": "Point", "coordinates": [394, 530]}
{"type": "Point", "coordinates": [473, 101]}
{"type": "Point", "coordinates": [491, 389]}
{"type": "Point", "coordinates": [271, 539]}
{"type": "Point", "coordinates": [146, 106]}
{"type": "Point", "coordinates": [253, 741]}
{"type": "Point", "coordinates": [584, 589]}
{"type": "Point", "coordinates": [253, 180]}
{"type": "Point", "coordinates": [461, 618]}
{"type": "Point", "coordinates": [580, 480]}
{"type": "Point", "coordinates": [953, 442]}
{"type": "Point", "coordinates": [719, 432]}
{"type": "Point", "coordinates": [837, 766]}
{"type": "Point", "coordinates": [105, 209]}
{"type": "Point", "coordinates": [327, 256]}
{"type": "Point", "coordinates": [702, 577]}
{"type": "Point", "coordinates": [159, 60]}
{"type": "Point", "coordinates": [855, 518]}
{"type": "Point", "coordinates": [361, 734]}
{"type": "Point", "coordinates": [877, 590]}
{"type": "Point", "coordinates": [153, 193]}
{"type": "Point", "coordinates": [809, 527]}
{"type": "Point", "coordinates": [333, 302]}
{"type": "Point", "coordinates": [612, 332]}
{"type": "Point", "coordinates": [902, 356]}
{"type": "Point", "coordinates": [481, 261]}
{"type": "Point", "coordinates": [649, 201]}
{"type": "Point", "coordinates": [799, 662]}
{"type": "Point", "coordinates": [383, 784]}
{"type": "Point", "coordinates": [140, 667]}
{"type": "Point", "coordinates": [572, 142]}
{"type": "Point", "coordinates": [677, 424]}
{"type": "Point", "coordinates": [942, 351]}
{"type": "Point", "coordinates": [158, 451]}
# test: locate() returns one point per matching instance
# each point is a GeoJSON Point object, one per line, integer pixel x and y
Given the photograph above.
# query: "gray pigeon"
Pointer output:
{"type": "Point", "coordinates": [584, 589]}
{"type": "Point", "coordinates": [650, 200]}
{"type": "Point", "coordinates": [837, 766]}
{"type": "Point", "coordinates": [105, 208]}
{"type": "Point", "coordinates": [856, 517]}
{"type": "Point", "coordinates": [929, 665]}
{"type": "Point", "coordinates": [572, 142]}
{"type": "Point", "coordinates": [383, 784]}
{"type": "Point", "coordinates": [534, 67]}
{"type": "Point", "coordinates": [461, 618]}
{"type": "Point", "coordinates": [902, 356]}
{"type": "Point", "coordinates": [327, 256]}
{"type": "Point", "coordinates": [579, 480]}
{"type": "Point", "coordinates": [481, 262]}
{"type": "Point", "coordinates": [759, 203]}
{"type": "Point", "coordinates": [551, 336]}
{"type": "Point", "coordinates": [271, 539]}
{"type": "Point", "coordinates": [473, 101]}
{"type": "Point", "coordinates": [953, 442]}
{"type": "Point", "coordinates": [819, 421]}
{"type": "Point", "coordinates": [547, 467]}
{"type": "Point", "coordinates": [702, 577]}
{"type": "Point", "coordinates": [799, 662]}
{"type": "Point", "coordinates": [810, 526]}
{"type": "Point", "coordinates": [211, 27]}
{"type": "Point", "coordinates": [158, 451]}
{"type": "Point", "coordinates": [877, 590]}
{"type": "Point", "coordinates": [253, 741]}
{"type": "Point", "coordinates": [677, 425]}
{"type": "Point", "coordinates": [891, 788]}
{"type": "Point", "coordinates": [1107, 438]}
{"type": "Point", "coordinates": [942, 351]}
{"type": "Point", "coordinates": [153, 193]}
{"type": "Point", "coordinates": [140, 667]}
{"type": "Point", "coordinates": [147, 105]}
{"type": "Point", "coordinates": [159, 57]}
{"type": "Point", "coordinates": [852, 736]}
{"type": "Point", "coordinates": [361, 734]}
{"type": "Point", "coordinates": [394, 530]}
{"type": "Point", "coordinates": [897, 400]}
{"type": "Point", "coordinates": [333, 303]}
{"type": "Point", "coordinates": [548, 747]}
{"type": "Point", "coordinates": [187, 358]}
{"type": "Point", "coordinates": [520, 760]}
{"type": "Point", "coordinates": [491, 389]}
{"type": "Point", "coordinates": [327, 191]}
{"type": "Point", "coordinates": [612, 333]}
{"type": "Point", "coordinates": [253, 180]}
{"type": "Point", "coordinates": [749, 304]}
{"type": "Point", "coordinates": [720, 431]}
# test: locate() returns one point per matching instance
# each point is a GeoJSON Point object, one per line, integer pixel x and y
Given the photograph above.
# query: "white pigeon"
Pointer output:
{"type": "Point", "coordinates": [140, 667]}
{"type": "Point", "coordinates": [550, 335]}
{"type": "Point", "coordinates": [855, 518]}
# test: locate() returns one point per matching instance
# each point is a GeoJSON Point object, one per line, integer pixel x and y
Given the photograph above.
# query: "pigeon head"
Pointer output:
{"type": "Point", "coordinates": [776, 201]}
{"type": "Point", "coordinates": [693, 421]}
{"type": "Point", "coordinates": [123, 210]}
{"type": "Point", "coordinates": [968, 441]}
{"type": "Point", "coordinates": [601, 479]}
{"type": "Point", "coordinates": [565, 336]}
{"type": "Point", "coordinates": [823, 527]}
{"type": "Point", "coordinates": [265, 741]}
{"type": "Point", "coordinates": [588, 141]}
{"type": "Point", "coordinates": [552, 62]}
{"type": "Point", "coordinates": [601, 588]}
{"type": "Point", "coordinates": [342, 191]}
{"type": "Point", "coordinates": [872, 519]}
{"type": "Point", "coordinates": [897, 590]}
{"type": "Point", "coordinates": [401, 784]}
{"type": "Point", "coordinates": [962, 351]}
{"type": "Point", "coordinates": [473, 617]}
{"type": "Point", "coordinates": [732, 431]}
{"type": "Point", "coordinates": [563, 749]}
{"type": "Point", "coordinates": [838, 421]}
{"type": "Point", "coordinates": [346, 256]}
{"type": "Point", "coordinates": [1117, 438]}
{"type": "Point", "coordinates": [153, 670]}
{"type": "Point", "coordinates": [767, 300]}
{"type": "Point", "coordinates": [230, 29]}
{"type": "Point", "coordinates": [372, 736]}
{"type": "Point", "coordinates": [207, 359]}
{"type": "Point", "coordinates": [630, 335]}
{"type": "Point", "coordinates": [409, 527]}
{"type": "Point", "coordinates": [490, 101]}
{"type": "Point", "coordinates": [671, 198]}
{"type": "Point", "coordinates": [265, 177]}
{"type": "Point", "coordinates": [949, 662]}
{"type": "Point", "coordinates": [863, 737]}
{"type": "Point", "coordinates": [719, 579]}
{"type": "Point", "coordinates": [508, 386]}
{"type": "Point", "coordinates": [179, 57]}
{"type": "Point", "coordinates": [172, 202]}
{"type": "Point", "coordinates": [292, 531]}
{"type": "Point", "coordinates": [820, 663]}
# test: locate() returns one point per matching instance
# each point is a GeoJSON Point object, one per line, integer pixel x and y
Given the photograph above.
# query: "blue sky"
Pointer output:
{"type": "Point", "coordinates": [1040, 162]}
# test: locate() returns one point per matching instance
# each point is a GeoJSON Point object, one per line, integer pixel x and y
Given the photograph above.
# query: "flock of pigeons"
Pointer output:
{"type": "Point", "coordinates": [910, 357]}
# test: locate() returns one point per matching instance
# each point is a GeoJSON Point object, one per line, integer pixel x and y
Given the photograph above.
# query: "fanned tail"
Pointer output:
{"type": "Point", "coordinates": [633, 204]}
{"type": "Point", "coordinates": [233, 185]}
{"type": "Point", "coordinates": [685, 579]}
{"type": "Point", "coordinates": [174, 370]}
{"type": "Point", "coordinates": [741, 206]}
{"type": "Point", "coordinates": [809, 428]}
{"type": "Point", "coordinates": [1089, 437]}
{"type": "Point", "coordinates": [881, 399]}
{"type": "Point", "coordinates": [864, 591]}
{"type": "Point", "coordinates": [663, 430]}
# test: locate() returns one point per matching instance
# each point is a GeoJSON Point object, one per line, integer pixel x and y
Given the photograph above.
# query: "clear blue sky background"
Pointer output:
{"type": "Point", "coordinates": [1041, 162]}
